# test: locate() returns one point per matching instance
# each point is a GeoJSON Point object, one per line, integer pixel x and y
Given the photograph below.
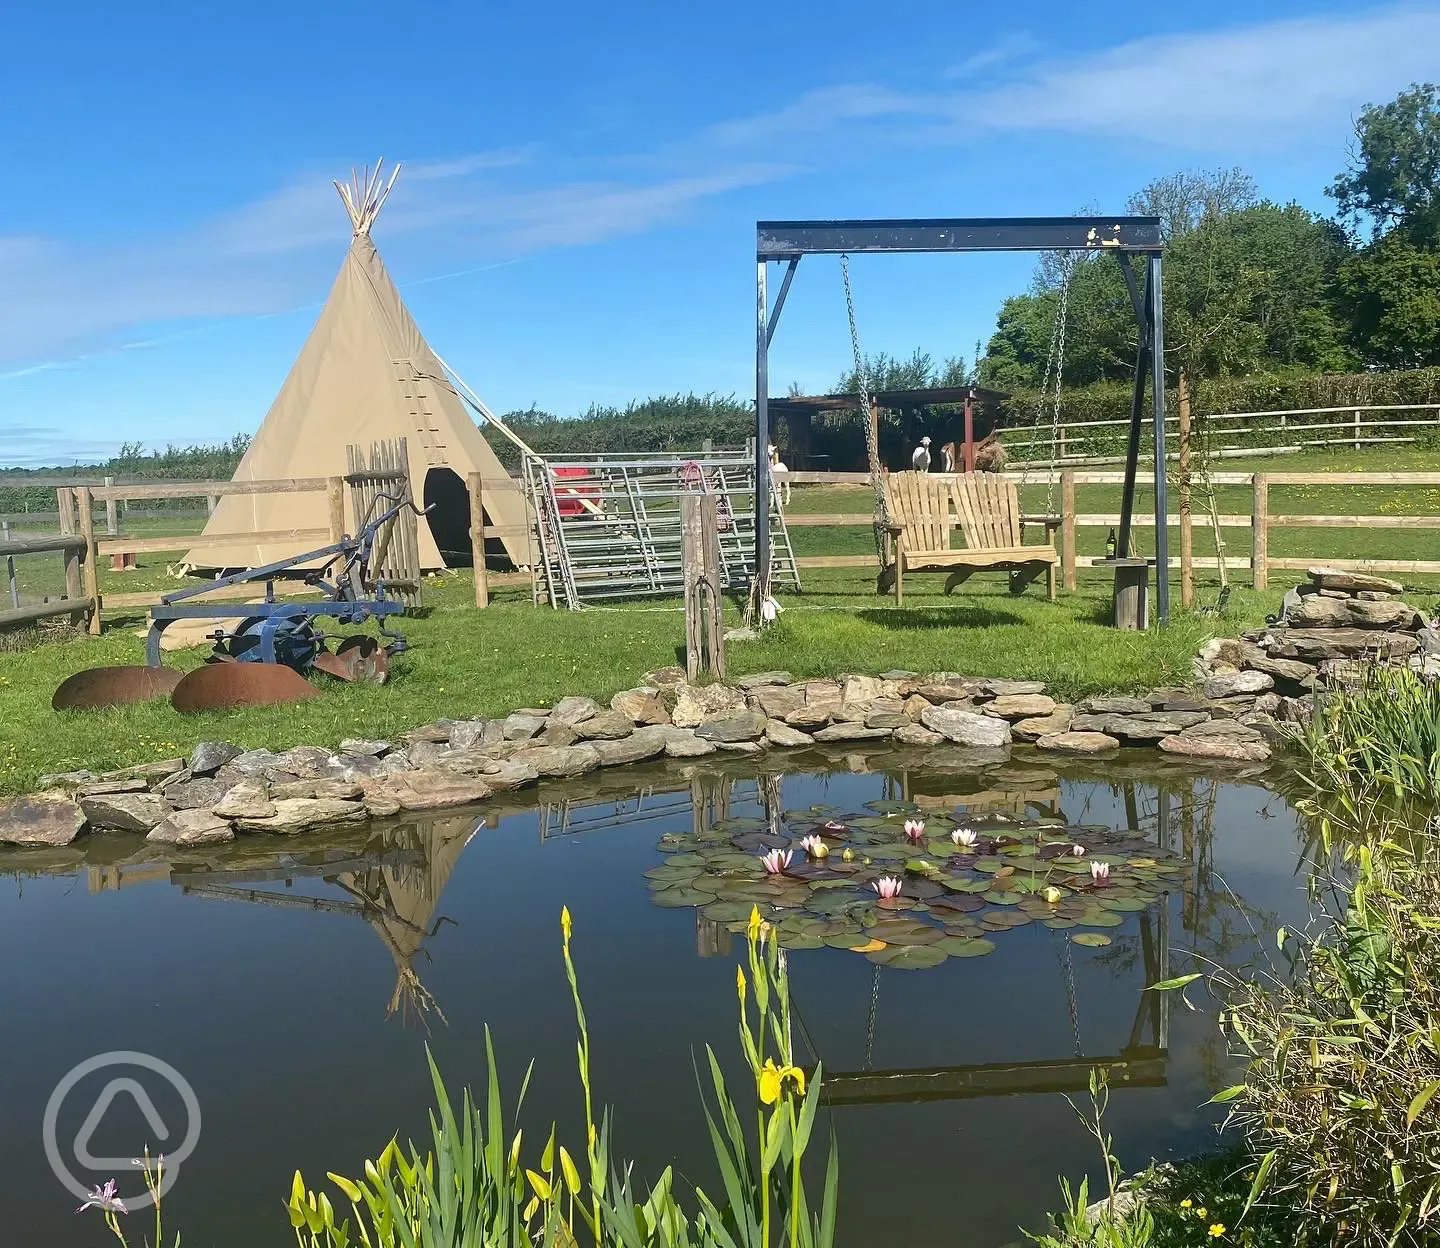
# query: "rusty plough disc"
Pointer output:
{"type": "Point", "coordinates": [98, 687]}
{"type": "Point", "coordinates": [356, 658]}
{"type": "Point", "coordinates": [221, 686]}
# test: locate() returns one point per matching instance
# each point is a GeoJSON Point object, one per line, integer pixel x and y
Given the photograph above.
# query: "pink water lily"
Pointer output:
{"type": "Point", "coordinates": [964, 838]}
{"type": "Point", "coordinates": [815, 847]}
{"type": "Point", "coordinates": [1099, 872]}
{"type": "Point", "coordinates": [915, 829]}
{"type": "Point", "coordinates": [1078, 850]}
{"type": "Point", "coordinates": [887, 886]}
{"type": "Point", "coordinates": [104, 1199]}
{"type": "Point", "coordinates": [776, 861]}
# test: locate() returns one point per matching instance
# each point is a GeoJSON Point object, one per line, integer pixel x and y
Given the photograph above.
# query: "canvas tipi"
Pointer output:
{"type": "Point", "coordinates": [365, 373]}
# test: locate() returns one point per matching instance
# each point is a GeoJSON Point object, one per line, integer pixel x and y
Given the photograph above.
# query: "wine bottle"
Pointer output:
{"type": "Point", "coordinates": [1110, 545]}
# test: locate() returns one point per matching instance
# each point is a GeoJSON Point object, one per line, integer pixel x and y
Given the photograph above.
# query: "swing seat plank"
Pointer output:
{"type": "Point", "coordinates": [987, 508]}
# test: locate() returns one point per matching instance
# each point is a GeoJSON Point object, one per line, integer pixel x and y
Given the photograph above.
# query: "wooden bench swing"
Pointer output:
{"type": "Point", "coordinates": [988, 508]}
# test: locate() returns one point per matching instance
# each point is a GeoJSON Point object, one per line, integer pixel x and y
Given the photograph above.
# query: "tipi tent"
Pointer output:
{"type": "Point", "coordinates": [365, 373]}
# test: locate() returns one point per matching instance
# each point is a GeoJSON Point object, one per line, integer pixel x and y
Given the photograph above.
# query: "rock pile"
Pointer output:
{"type": "Point", "coordinates": [1327, 627]}
{"type": "Point", "coordinates": [223, 790]}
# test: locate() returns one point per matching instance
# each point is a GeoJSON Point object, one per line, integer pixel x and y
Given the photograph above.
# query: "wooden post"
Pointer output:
{"type": "Point", "coordinates": [1260, 524]}
{"type": "Point", "coordinates": [1187, 536]}
{"type": "Point", "coordinates": [1067, 528]}
{"type": "Point", "coordinates": [85, 503]}
{"type": "Point", "coordinates": [65, 505]}
{"type": "Point", "coordinates": [112, 515]}
{"type": "Point", "coordinates": [700, 560]}
{"type": "Point", "coordinates": [968, 454]}
{"type": "Point", "coordinates": [211, 502]}
{"type": "Point", "coordinates": [1357, 428]}
{"type": "Point", "coordinates": [335, 499]}
{"type": "Point", "coordinates": [477, 541]}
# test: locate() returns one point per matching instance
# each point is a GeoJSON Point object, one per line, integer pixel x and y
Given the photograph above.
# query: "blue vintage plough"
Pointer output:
{"type": "Point", "coordinates": [266, 656]}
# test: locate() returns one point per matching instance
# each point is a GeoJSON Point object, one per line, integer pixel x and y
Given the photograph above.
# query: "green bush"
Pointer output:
{"type": "Point", "coordinates": [1337, 1102]}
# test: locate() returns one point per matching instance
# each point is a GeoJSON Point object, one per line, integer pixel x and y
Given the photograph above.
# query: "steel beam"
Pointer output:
{"type": "Point", "coordinates": [761, 586]}
{"type": "Point", "coordinates": [780, 299]}
{"type": "Point", "coordinates": [1157, 363]}
{"type": "Point", "coordinates": [784, 240]}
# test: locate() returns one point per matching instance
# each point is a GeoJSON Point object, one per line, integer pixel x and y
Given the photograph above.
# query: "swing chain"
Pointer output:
{"type": "Point", "coordinates": [1055, 366]}
{"type": "Point", "coordinates": [872, 443]}
{"type": "Point", "coordinates": [1067, 969]}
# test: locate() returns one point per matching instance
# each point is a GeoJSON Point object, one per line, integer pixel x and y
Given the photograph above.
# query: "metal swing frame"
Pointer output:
{"type": "Point", "coordinates": [1126, 237]}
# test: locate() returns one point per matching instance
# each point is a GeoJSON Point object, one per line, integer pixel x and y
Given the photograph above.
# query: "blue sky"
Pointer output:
{"type": "Point", "coordinates": [575, 219]}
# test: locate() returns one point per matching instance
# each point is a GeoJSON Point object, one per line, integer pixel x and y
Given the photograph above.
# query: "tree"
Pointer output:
{"type": "Point", "coordinates": [1183, 200]}
{"type": "Point", "coordinates": [1249, 286]}
{"type": "Point", "coordinates": [1394, 175]}
{"type": "Point", "coordinates": [1391, 291]}
{"type": "Point", "coordinates": [1390, 288]}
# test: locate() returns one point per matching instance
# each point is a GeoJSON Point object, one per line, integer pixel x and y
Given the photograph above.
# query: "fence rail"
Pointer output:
{"type": "Point", "coordinates": [1364, 425]}
{"type": "Point", "coordinates": [1260, 520]}
{"type": "Point", "coordinates": [72, 603]}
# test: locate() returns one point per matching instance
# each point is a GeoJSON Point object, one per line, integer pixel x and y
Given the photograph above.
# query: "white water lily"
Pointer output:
{"type": "Point", "coordinates": [815, 847]}
{"type": "Point", "coordinates": [964, 838]}
{"type": "Point", "coordinates": [1099, 872]}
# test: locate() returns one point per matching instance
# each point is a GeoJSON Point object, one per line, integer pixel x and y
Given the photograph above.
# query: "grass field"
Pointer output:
{"type": "Point", "coordinates": [466, 662]}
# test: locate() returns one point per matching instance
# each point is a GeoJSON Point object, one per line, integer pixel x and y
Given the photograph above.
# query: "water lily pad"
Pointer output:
{"type": "Point", "coordinates": [893, 806]}
{"type": "Point", "coordinates": [893, 852]}
{"type": "Point", "coordinates": [1061, 925]}
{"type": "Point", "coordinates": [1002, 897]}
{"type": "Point", "coordinates": [800, 941]}
{"type": "Point", "coordinates": [729, 911]}
{"type": "Point", "coordinates": [675, 897]}
{"type": "Point", "coordinates": [906, 932]}
{"type": "Point", "coordinates": [870, 946]}
{"type": "Point", "coordinates": [760, 841]}
{"type": "Point", "coordinates": [958, 947]}
{"type": "Point", "coordinates": [1102, 918]}
{"type": "Point", "coordinates": [908, 957]}
{"type": "Point", "coordinates": [1000, 920]}
{"type": "Point", "coordinates": [1092, 939]}
{"type": "Point", "coordinates": [963, 903]}
{"type": "Point", "coordinates": [1125, 905]}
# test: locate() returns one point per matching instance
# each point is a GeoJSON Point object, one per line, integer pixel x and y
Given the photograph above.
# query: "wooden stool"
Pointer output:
{"type": "Point", "coordinates": [1132, 592]}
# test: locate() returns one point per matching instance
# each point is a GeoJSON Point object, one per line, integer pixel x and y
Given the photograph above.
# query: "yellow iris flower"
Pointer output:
{"type": "Point", "coordinates": [773, 1077]}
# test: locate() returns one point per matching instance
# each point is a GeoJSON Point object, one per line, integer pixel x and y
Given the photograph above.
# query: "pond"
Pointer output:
{"type": "Point", "coordinates": [294, 984]}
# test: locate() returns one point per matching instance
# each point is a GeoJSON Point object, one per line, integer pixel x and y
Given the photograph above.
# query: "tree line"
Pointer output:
{"type": "Point", "coordinates": [1253, 286]}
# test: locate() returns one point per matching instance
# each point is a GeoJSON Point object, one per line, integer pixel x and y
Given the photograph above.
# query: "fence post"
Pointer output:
{"type": "Point", "coordinates": [1187, 534]}
{"type": "Point", "coordinates": [1067, 528]}
{"type": "Point", "coordinates": [477, 541]}
{"type": "Point", "coordinates": [112, 513]}
{"type": "Point", "coordinates": [85, 504]}
{"type": "Point", "coordinates": [1357, 428]}
{"type": "Point", "coordinates": [335, 499]}
{"type": "Point", "coordinates": [700, 562]}
{"type": "Point", "coordinates": [10, 567]}
{"type": "Point", "coordinates": [1260, 525]}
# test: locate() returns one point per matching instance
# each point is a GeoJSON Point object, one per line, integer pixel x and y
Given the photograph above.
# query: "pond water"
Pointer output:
{"type": "Point", "coordinates": [288, 982]}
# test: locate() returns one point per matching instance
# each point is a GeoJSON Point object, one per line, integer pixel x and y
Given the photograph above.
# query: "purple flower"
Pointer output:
{"type": "Point", "coordinates": [104, 1199]}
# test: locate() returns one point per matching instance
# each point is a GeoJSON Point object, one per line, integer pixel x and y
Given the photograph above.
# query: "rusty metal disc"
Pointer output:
{"type": "Point", "coordinates": [98, 687]}
{"type": "Point", "coordinates": [357, 658]}
{"type": "Point", "coordinates": [221, 686]}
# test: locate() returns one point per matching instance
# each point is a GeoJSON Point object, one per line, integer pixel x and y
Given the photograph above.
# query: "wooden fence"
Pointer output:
{"type": "Point", "coordinates": [1261, 520]}
{"type": "Point", "coordinates": [74, 604]}
{"type": "Point", "coordinates": [1248, 433]}
{"type": "Point", "coordinates": [77, 517]}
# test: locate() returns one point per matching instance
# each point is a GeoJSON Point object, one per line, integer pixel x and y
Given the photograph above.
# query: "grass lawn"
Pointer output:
{"type": "Point", "coordinates": [466, 662]}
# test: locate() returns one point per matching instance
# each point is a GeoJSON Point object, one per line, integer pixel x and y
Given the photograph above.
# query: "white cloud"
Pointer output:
{"type": "Point", "coordinates": [1261, 87]}
{"type": "Point", "coordinates": [1012, 47]}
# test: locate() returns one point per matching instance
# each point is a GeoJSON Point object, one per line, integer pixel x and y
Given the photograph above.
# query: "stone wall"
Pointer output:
{"type": "Point", "coordinates": [222, 790]}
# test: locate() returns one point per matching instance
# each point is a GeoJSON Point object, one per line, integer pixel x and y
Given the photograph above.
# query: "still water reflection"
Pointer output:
{"type": "Point", "coordinates": [294, 984]}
